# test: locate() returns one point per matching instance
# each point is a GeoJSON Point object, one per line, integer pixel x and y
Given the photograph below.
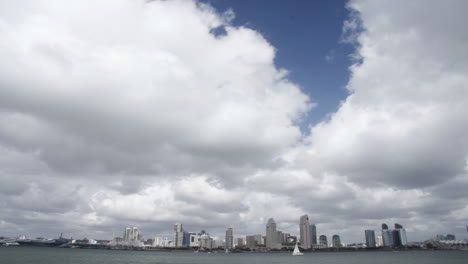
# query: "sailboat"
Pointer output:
{"type": "Point", "coordinates": [297, 252]}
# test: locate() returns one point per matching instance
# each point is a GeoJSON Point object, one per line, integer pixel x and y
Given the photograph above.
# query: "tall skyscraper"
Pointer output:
{"type": "Point", "coordinates": [399, 236]}
{"type": "Point", "coordinates": [126, 234]}
{"type": "Point", "coordinates": [323, 240]}
{"type": "Point", "coordinates": [370, 238]}
{"type": "Point", "coordinates": [178, 235]}
{"type": "Point", "coordinates": [304, 230]}
{"type": "Point", "coordinates": [313, 234]}
{"type": "Point", "coordinates": [336, 241]}
{"type": "Point", "coordinates": [229, 239]}
{"type": "Point", "coordinates": [387, 236]}
{"type": "Point", "coordinates": [271, 235]}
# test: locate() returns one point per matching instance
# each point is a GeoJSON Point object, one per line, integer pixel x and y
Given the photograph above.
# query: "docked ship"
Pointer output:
{"type": "Point", "coordinates": [42, 242]}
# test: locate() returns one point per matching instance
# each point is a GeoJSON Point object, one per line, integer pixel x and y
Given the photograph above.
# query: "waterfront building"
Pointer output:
{"type": "Point", "coordinates": [271, 235]}
{"type": "Point", "coordinates": [387, 236]}
{"type": "Point", "coordinates": [304, 230]}
{"type": "Point", "coordinates": [336, 241]}
{"type": "Point", "coordinates": [206, 242]}
{"type": "Point", "coordinates": [229, 244]}
{"type": "Point", "coordinates": [370, 238]}
{"type": "Point", "coordinates": [450, 237]}
{"type": "Point", "coordinates": [379, 241]}
{"type": "Point", "coordinates": [178, 235]}
{"type": "Point", "coordinates": [285, 237]}
{"type": "Point", "coordinates": [240, 242]}
{"type": "Point", "coordinates": [162, 242]}
{"type": "Point", "coordinates": [132, 237]}
{"type": "Point", "coordinates": [323, 240]}
{"type": "Point", "coordinates": [251, 242]}
{"type": "Point", "coordinates": [194, 240]}
{"type": "Point", "coordinates": [280, 237]}
{"type": "Point", "coordinates": [186, 239]}
{"type": "Point", "coordinates": [313, 234]}
{"type": "Point", "coordinates": [218, 242]}
{"type": "Point", "coordinates": [399, 236]}
{"type": "Point", "coordinates": [291, 240]}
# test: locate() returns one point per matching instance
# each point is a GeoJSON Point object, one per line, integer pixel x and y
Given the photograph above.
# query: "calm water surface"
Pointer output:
{"type": "Point", "coordinates": [16, 255]}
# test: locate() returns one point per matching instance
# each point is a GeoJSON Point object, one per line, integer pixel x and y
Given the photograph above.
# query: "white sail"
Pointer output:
{"type": "Point", "coordinates": [297, 252]}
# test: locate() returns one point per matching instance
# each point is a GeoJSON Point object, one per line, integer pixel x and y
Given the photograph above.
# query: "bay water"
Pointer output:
{"type": "Point", "coordinates": [36, 255]}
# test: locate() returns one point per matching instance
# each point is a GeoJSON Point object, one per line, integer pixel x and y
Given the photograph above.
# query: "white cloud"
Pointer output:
{"type": "Point", "coordinates": [133, 79]}
{"type": "Point", "coordinates": [138, 114]}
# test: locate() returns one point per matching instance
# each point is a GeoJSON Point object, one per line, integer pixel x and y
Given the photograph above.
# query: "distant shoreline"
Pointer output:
{"type": "Point", "coordinates": [326, 250]}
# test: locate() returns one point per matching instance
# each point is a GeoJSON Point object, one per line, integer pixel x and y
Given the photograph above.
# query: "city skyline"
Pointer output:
{"type": "Point", "coordinates": [273, 240]}
{"type": "Point", "coordinates": [223, 113]}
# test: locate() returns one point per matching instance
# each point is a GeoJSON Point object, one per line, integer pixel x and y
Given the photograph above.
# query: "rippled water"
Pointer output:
{"type": "Point", "coordinates": [23, 255]}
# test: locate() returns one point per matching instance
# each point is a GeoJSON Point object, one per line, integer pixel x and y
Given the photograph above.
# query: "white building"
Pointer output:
{"type": "Point", "coordinates": [132, 237]}
{"type": "Point", "coordinates": [162, 242]}
{"type": "Point", "coordinates": [206, 242]}
{"type": "Point", "coordinates": [379, 241]}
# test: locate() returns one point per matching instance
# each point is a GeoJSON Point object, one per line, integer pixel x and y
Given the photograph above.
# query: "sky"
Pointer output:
{"type": "Point", "coordinates": [218, 114]}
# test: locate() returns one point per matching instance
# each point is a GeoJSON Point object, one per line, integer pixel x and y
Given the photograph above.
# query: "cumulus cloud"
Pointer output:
{"type": "Point", "coordinates": [133, 82]}
{"type": "Point", "coordinates": [404, 121]}
{"type": "Point", "coordinates": [144, 114]}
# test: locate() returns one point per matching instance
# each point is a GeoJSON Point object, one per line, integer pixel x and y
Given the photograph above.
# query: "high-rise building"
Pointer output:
{"type": "Point", "coordinates": [387, 236]}
{"type": "Point", "coordinates": [450, 237]}
{"type": "Point", "coordinates": [218, 243]}
{"type": "Point", "coordinates": [260, 239]}
{"type": "Point", "coordinates": [132, 237]}
{"type": "Point", "coordinates": [291, 240]}
{"type": "Point", "coordinates": [194, 240]}
{"type": "Point", "coordinates": [285, 237]}
{"type": "Point", "coordinates": [370, 238]}
{"type": "Point", "coordinates": [313, 234]}
{"type": "Point", "coordinates": [323, 240]}
{"type": "Point", "coordinates": [336, 241]}
{"type": "Point", "coordinates": [161, 242]}
{"type": "Point", "coordinates": [399, 236]}
{"type": "Point", "coordinates": [304, 230]}
{"type": "Point", "coordinates": [240, 242]}
{"type": "Point", "coordinates": [379, 241]}
{"type": "Point", "coordinates": [229, 244]}
{"type": "Point", "coordinates": [178, 235]}
{"type": "Point", "coordinates": [271, 235]}
{"type": "Point", "coordinates": [251, 242]}
{"type": "Point", "coordinates": [279, 237]}
{"type": "Point", "coordinates": [186, 239]}
{"type": "Point", "coordinates": [126, 234]}
{"type": "Point", "coordinates": [206, 241]}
